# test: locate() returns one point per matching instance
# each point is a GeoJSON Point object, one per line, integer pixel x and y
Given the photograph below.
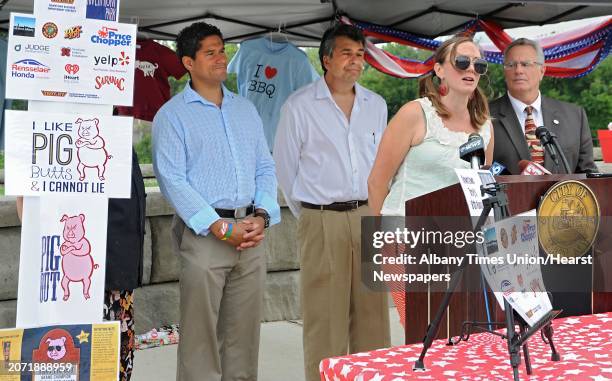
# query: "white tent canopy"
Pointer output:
{"type": "Point", "coordinates": [305, 20]}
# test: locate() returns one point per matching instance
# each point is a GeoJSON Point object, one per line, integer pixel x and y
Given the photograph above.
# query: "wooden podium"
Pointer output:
{"type": "Point", "coordinates": [524, 193]}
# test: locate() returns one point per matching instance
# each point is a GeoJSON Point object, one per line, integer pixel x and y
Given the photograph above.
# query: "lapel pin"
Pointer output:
{"type": "Point", "coordinates": [555, 121]}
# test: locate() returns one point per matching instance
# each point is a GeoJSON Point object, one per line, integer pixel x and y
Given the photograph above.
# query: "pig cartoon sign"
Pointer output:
{"type": "Point", "coordinates": [91, 150]}
{"type": "Point", "coordinates": [62, 260]}
{"type": "Point", "coordinates": [68, 154]}
{"type": "Point", "coordinates": [77, 263]}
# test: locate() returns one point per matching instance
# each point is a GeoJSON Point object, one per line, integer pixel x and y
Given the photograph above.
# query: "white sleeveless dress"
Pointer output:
{"type": "Point", "coordinates": [431, 164]}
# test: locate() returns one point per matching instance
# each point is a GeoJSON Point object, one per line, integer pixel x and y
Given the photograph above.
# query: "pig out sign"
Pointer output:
{"type": "Point", "coordinates": [62, 263]}
{"type": "Point", "coordinates": [68, 154]}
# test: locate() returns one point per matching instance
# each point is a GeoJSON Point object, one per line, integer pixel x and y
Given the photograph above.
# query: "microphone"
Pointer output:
{"type": "Point", "coordinates": [546, 139]}
{"type": "Point", "coordinates": [532, 169]}
{"type": "Point", "coordinates": [498, 169]}
{"type": "Point", "coordinates": [551, 144]}
{"type": "Point", "coordinates": [473, 151]}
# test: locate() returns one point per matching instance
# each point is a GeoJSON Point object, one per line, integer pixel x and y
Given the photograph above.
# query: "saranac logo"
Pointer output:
{"type": "Point", "coordinates": [27, 68]}
{"type": "Point", "coordinates": [102, 80]}
{"type": "Point", "coordinates": [111, 37]}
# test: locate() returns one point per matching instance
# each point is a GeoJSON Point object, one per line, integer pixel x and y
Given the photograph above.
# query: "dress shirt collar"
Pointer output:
{"type": "Point", "coordinates": [190, 95]}
{"type": "Point", "coordinates": [519, 107]}
{"type": "Point", "coordinates": [322, 90]}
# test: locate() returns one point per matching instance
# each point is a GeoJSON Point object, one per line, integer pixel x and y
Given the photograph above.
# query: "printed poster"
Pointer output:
{"type": "Point", "coordinates": [106, 10]}
{"type": "Point", "coordinates": [521, 283]}
{"type": "Point", "coordinates": [61, 353]}
{"type": "Point", "coordinates": [62, 260]}
{"type": "Point", "coordinates": [69, 154]}
{"type": "Point", "coordinates": [70, 60]}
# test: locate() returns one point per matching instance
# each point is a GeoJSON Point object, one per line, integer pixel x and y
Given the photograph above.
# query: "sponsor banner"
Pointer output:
{"type": "Point", "coordinates": [68, 154]}
{"type": "Point", "coordinates": [69, 60]}
{"type": "Point", "coordinates": [78, 352]}
{"type": "Point", "coordinates": [519, 282]}
{"type": "Point", "coordinates": [105, 10]}
{"type": "Point", "coordinates": [62, 260]}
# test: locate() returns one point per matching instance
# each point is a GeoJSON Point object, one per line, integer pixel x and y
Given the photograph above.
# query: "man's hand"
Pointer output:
{"type": "Point", "coordinates": [254, 227]}
{"type": "Point", "coordinates": [220, 227]}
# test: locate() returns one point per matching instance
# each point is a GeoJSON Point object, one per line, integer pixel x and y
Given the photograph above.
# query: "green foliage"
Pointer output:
{"type": "Point", "coordinates": [591, 92]}
{"type": "Point", "coordinates": [144, 149]}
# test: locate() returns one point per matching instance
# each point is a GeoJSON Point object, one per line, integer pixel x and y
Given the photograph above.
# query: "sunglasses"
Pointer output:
{"type": "Point", "coordinates": [463, 63]}
{"type": "Point", "coordinates": [54, 348]}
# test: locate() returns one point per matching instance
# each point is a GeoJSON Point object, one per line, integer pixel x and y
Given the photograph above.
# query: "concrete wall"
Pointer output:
{"type": "Point", "coordinates": [156, 303]}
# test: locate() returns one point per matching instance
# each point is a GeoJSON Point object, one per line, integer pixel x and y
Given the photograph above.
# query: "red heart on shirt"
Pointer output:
{"type": "Point", "coordinates": [270, 72]}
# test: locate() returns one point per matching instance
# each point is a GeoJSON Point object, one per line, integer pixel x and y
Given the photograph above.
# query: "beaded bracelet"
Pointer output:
{"type": "Point", "coordinates": [229, 232]}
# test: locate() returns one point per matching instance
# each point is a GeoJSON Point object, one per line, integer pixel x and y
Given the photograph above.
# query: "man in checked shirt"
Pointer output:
{"type": "Point", "coordinates": [214, 166]}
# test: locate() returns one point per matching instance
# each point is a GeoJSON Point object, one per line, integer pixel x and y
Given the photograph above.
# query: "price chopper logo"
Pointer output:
{"type": "Point", "coordinates": [109, 36]}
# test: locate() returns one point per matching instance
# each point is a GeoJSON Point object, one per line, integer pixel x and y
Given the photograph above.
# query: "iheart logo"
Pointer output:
{"type": "Point", "coordinates": [71, 68]}
{"type": "Point", "coordinates": [270, 72]}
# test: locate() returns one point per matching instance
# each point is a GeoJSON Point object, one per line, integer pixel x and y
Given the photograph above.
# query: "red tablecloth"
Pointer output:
{"type": "Point", "coordinates": [584, 342]}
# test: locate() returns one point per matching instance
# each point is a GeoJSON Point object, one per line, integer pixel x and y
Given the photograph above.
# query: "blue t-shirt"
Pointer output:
{"type": "Point", "coordinates": [268, 72]}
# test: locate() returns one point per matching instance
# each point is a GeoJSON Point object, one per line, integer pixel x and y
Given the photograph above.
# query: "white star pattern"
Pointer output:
{"type": "Point", "coordinates": [332, 362]}
{"type": "Point", "coordinates": [379, 359]}
{"type": "Point", "coordinates": [440, 363]}
{"type": "Point", "coordinates": [584, 344]}
{"type": "Point", "coordinates": [345, 370]}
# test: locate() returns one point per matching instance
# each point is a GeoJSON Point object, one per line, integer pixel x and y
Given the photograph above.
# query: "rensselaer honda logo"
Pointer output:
{"type": "Point", "coordinates": [110, 37]}
{"type": "Point", "coordinates": [30, 65]}
{"type": "Point", "coordinates": [102, 80]}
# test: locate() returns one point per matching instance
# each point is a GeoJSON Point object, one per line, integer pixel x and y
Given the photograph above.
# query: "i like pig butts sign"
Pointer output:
{"type": "Point", "coordinates": [62, 260]}
{"type": "Point", "coordinates": [69, 154]}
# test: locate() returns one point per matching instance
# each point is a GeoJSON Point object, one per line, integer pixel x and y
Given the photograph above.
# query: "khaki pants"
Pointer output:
{"type": "Point", "coordinates": [340, 314]}
{"type": "Point", "coordinates": [221, 293]}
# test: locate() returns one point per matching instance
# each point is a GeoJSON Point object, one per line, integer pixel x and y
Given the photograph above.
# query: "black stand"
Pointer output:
{"type": "Point", "coordinates": [498, 201]}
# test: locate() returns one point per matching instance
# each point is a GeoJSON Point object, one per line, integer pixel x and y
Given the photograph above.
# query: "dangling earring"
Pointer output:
{"type": "Point", "coordinates": [442, 88]}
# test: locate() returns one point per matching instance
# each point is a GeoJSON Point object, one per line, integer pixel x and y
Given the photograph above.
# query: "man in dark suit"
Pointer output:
{"type": "Point", "coordinates": [522, 108]}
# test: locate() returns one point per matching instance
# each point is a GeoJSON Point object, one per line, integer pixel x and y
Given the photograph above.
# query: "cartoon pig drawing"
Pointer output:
{"type": "Point", "coordinates": [77, 263]}
{"type": "Point", "coordinates": [148, 68]}
{"type": "Point", "coordinates": [90, 148]}
{"type": "Point", "coordinates": [57, 348]}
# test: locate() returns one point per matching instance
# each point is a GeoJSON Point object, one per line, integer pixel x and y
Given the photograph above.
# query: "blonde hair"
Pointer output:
{"type": "Point", "coordinates": [478, 106]}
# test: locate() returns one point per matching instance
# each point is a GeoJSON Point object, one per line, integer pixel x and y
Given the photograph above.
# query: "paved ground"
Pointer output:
{"type": "Point", "coordinates": [280, 354]}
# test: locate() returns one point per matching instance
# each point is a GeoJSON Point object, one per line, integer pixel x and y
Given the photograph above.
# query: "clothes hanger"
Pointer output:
{"type": "Point", "coordinates": [278, 36]}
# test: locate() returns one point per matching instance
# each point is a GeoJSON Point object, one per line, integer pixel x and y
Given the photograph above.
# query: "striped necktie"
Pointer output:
{"type": "Point", "coordinates": [535, 147]}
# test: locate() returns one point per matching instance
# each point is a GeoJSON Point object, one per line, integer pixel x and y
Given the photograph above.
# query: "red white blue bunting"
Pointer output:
{"type": "Point", "coordinates": [570, 54]}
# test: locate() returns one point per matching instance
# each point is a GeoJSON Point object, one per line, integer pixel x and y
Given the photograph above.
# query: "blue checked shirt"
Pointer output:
{"type": "Point", "coordinates": [206, 157]}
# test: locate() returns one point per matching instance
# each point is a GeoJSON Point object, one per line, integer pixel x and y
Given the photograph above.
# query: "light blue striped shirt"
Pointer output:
{"type": "Point", "coordinates": [206, 157]}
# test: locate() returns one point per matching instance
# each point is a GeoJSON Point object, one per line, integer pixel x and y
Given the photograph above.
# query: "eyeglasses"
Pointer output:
{"type": "Point", "coordinates": [510, 65]}
{"type": "Point", "coordinates": [463, 63]}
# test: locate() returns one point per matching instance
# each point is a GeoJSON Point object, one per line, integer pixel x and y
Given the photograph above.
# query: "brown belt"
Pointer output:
{"type": "Point", "coordinates": [337, 206]}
